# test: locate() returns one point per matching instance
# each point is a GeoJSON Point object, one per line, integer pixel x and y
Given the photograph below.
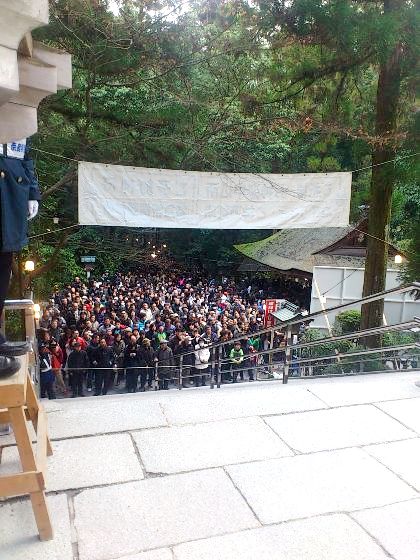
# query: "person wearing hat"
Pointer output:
{"type": "Point", "coordinates": [77, 363]}
{"type": "Point", "coordinates": [165, 362]}
{"type": "Point", "coordinates": [47, 375]}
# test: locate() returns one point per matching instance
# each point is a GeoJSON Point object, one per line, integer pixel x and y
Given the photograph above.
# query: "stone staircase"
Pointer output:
{"type": "Point", "coordinates": [320, 469]}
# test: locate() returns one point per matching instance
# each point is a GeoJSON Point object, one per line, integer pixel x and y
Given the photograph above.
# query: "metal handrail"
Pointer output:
{"type": "Point", "coordinates": [358, 334]}
{"type": "Point", "coordinates": [216, 366]}
{"type": "Point", "coordinates": [297, 360]}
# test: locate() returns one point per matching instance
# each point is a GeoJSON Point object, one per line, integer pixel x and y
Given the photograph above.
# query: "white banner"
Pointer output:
{"type": "Point", "coordinates": [116, 195]}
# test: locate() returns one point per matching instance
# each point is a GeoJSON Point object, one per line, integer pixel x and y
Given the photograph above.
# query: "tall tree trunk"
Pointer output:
{"type": "Point", "coordinates": [382, 184]}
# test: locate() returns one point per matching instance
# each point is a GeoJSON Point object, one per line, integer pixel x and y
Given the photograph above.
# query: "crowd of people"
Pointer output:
{"type": "Point", "coordinates": [131, 331]}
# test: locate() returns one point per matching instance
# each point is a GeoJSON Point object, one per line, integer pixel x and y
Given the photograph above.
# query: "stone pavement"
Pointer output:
{"type": "Point", "coordinates": [323, 469]}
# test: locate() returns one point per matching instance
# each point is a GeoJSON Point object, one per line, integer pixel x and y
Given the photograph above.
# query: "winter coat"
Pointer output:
{"type": "Point", "coordinates": [130, 356]}
{"type": "Point", "coordinates": [188, 355]}
{"type": "Point", "coordinates": [91, 352]}
{"type": "Point", "coordinates": [78, 360]}
{"type": "Point", "coordinates": [165, 358]}
{"type": "Point", "coordinates": [18, 185]}
{"type": "Point", "coordinates": [104, 357]}
{"type": "Point", "coordinates": [57, 359]}
{"type": "Point", "coordinates": [202, 357]}
{"type": "Point", "coordinates": [118, 348]}
{"type": "Point", "coordinates": [146, 357]}
{"type": "Point", "coordinates": [45, 362]}
{"type": "Point", "coordinates": [236, 356]}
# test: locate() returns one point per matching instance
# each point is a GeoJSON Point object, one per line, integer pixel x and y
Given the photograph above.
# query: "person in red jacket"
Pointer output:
{"type": "Point", "coordinates": [57, 360]}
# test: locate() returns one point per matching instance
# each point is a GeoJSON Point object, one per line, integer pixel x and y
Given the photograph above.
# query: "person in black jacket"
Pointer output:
{"type": "Point", "coordinates": [77, 363]}
{"type": "Point", "coordinates": [91, 352]}
{"type": "Point", "coordinates": [131, 363]}
{"type": "Point", "coordinates": [146, 360]}
{"type": "Point", "coordinates": [165, 363]}
{"type": "Point", "coordinates": [223, 352]}
{"type": "Point", "coordinates": [104, 357]}
{"type": "Point", "coordinates": [19, 197]}
{"type": "Point", "coordinates": [47, 375]}
{"type": "Point", "coordinates": [188, 361]}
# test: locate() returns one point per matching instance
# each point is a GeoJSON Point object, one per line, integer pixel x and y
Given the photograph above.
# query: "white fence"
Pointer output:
{"type": "Point", "coordinates": [333, 286]}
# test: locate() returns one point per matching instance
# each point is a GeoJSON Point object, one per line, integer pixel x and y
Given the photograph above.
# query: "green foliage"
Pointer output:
{"type": "Point", "coordinates": [347, 322]}
{"type": "Point", "coordinates": [15, 325]}
{"type": "Point", "coordinates": [219, 86]}
{"type": "Point", "coordinates": [400, 338]}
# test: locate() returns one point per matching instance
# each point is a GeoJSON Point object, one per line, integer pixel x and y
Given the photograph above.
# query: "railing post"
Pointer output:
{"type": "Point", "coordinates": [219, 368]}
{"type": "Point", "coordinates": [213, 369]}
{"type": "Point", "coordinates": [156, 380]}
{"type": "Point", "coordinates": [181, 360]}
{"type": "Point", "coordinates": [288, 354]}
{"type": "Point", "coordinates": [270, 355]}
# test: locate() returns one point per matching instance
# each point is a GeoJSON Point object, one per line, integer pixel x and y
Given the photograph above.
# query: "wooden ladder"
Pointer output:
{"type": "Point", "coordinates": [18, 406]}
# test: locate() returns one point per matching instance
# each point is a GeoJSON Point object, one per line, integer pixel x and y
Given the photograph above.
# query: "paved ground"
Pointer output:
{"type": "Point", "coordinates": [318, 469]}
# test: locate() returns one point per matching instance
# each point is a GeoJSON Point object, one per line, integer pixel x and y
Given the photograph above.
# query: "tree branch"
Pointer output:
{"type": "Point", "coordinates": [69, 176]}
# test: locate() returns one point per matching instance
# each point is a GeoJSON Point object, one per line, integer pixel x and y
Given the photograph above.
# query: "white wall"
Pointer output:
{"type": "Point", "coordinates": [342, 285]}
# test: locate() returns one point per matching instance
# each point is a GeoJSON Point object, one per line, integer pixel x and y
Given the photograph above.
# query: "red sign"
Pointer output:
{"type": "Point", "coordinates": [270, 307]}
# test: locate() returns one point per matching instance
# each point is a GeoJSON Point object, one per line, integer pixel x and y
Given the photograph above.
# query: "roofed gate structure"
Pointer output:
{"type": "Point", "coordinates": [298, 251]}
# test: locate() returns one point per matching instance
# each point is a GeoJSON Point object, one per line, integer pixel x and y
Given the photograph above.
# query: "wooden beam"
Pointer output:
{"type": "Point", "coordinates": [21, 483]}
{"type": "Point", "coordinates": [41, 444]}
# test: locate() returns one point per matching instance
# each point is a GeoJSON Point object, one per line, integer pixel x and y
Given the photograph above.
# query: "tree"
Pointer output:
{"type": "Point", "coordinates": [221, 86]}
{"type": "Point", "coordinates": [342, 44]}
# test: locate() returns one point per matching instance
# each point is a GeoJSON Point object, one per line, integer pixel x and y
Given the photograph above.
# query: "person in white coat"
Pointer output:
{"type": "Point", "coordinates": [202, 359]}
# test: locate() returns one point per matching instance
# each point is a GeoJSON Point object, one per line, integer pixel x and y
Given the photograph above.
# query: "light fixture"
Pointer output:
{"type": "Point", "coordinates": [164, 245]}
{"type": "Point", "coordinates": [398, 259]}
{"type": "Point", "coordinates": [56, 220]}
{"type": "Point", "coordinates": [29, 266]}
{"type": "Point", "coordinates": [153, 255]}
